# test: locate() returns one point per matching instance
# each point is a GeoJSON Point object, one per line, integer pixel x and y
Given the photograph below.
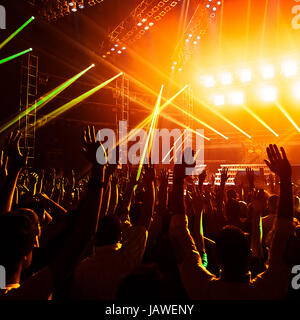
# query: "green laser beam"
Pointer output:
{"type": "Point", "coordinates": [149, 134]}
{"type": "Point", "coordinates": [16, 32]}
{"type": "Point", "coordinates": [15, 56]}
{"type": "Point", "coordinates": [45, 99]}
{"type": "Point", "coordinates": [75, 101]}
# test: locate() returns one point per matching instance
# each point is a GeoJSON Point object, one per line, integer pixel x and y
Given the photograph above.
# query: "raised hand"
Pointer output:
{"type": "Point", "coordinates": [278, 162]}
{"type": "Point", "coordinates": [250, 177]}
{"type": "Point", "coordinates": [201, 179]}
{"type": "Point", "coordinates": [224, 176]}
{"type": "Point", "coordinates": [93, 149]}
{"type": "Point", "coordinates": [16, 159]}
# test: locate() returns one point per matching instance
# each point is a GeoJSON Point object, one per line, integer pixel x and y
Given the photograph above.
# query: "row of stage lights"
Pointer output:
{"type": "Point", "coordinates": [213, 5]}
{"type": "Point", "coordinates": [289, 68]}
{"type": "Point", "coordinates": [266, 93]}
{"type": "Point", "coordinates": [119, 49]}
{"type": "Point", "coordinates": [60, 8]}
{"type": "Point", "coordinates": [114, 49]}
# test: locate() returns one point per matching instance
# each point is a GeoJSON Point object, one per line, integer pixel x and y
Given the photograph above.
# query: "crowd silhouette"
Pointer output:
{"type": "Point", "coordinates": [107, 236]}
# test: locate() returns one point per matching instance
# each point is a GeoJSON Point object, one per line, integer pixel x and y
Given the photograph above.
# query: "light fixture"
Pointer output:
{"type": "Point", "coordinates": [289, 68]}
{"type": "Point", "coordinates": [268, 71]}
{"type": "Point", "coordinates": [237, 98]}
{"type": "Point", "coordinates": [268, 93]}
{"type": "Point", "coordinates": [219, 100]}
{"type": "Point", "coordinates": [226, 78]}
{"type": "Point", "coordinates": [245, 75]}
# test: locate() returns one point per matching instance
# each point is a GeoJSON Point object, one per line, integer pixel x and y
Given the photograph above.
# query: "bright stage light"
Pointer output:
{"type": "Point", "coordinates": [147, 28]}
{"type": "Point", "coordinates": [119, 52]}
{"type": "Point", "coordinates": [151, 24]}
{"type": "Point", "coordinates": [219, 100]}
{"type": "Point", "coordinates": [139, 24]}
{"type": "Point", "coordinates": [268, 93]}
{"type": "Point", "coordinates": [226, 78]}
{"type": "Point", "coordinates": [190, 35]}
{"type": "Point", "coordinates": [209, 81]}
{"type": "Point", "coordinates": [296, 90]}
{"type": "Point", "coordinates": [245, 75]}
{"type": "Point", "coordinates": [268, 72]}
{"type": "Point", "coordinates": [289, 68]}
{"type": "Point", "coordinates": [237, 98]}
{"type": "Point", "coordinates": [187, 40]}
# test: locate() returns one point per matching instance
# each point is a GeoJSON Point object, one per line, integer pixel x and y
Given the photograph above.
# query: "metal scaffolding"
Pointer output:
{"type": "Point", "coordinates": [28, 96]}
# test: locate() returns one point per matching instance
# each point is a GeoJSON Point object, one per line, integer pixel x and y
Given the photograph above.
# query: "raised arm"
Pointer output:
{"type": "Point", "coordinates": [16, 161]}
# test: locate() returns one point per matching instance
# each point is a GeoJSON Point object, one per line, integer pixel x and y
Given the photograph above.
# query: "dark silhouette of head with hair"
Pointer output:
{"type": "Point", "coordinates": [109, 231]}
{"type": "Point", "coordinates": [233, 252]}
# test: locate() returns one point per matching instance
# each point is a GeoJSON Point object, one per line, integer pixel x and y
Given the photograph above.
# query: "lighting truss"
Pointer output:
{"type": "Point", "coordinates": [204, 14]}
{"type": "Point", "coordinates": [141, 19]}
{"type": "Point", "coordinates": [51, 10]}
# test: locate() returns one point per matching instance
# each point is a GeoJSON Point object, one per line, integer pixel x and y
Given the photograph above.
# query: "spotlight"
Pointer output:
{"type": "Point", "coordinates": [190, 35]}
{"type": "Point", "coordinates": [112, 49]}
{"type": "Point", "coordinates": [219, 100]}
{"type": "Point", "coordinates": [226, 78]}
{"type": "Point", "coordinates": [289, 68]}
{"type": "Point", "coordinates": [119, 52]}
{"type": "Point", "coordinates": [209, 81]}
{"type": "Point", "coordinates": [71, 3]}
{"type": "Point", "coordinates": [144, 20]}
{"type": "Point", "coordinates": [147, 28]}
{"type": "Point", "coordinates": [208, 6]}
{"type": "Point", "coordinates": [268, 94]}
{"type": "Point", "coordinates": [116, 45]}
{"type": "Point", "coordinates": [245, 75]}
{"type": "Point", "coordinates": [187, 40]}
{"type": "Point", "coordinates": [151, 24]}
{"type": "Point", "coordinates": [175, 63]}
{"type": "Point", "coordinates": [180, 69]}
{"type": "Point", "coordinates": [173, 67]}
{"type": "Point", "coordinates": [195, 42]}
{"type": "Point", "coordinates": [198, 38]}
{"type": "Point", "coordinates": [214, 9]}
{"type": "Point", "coordinates": [74, 7]}
{"type": "Point", "coordinates": [296, 90]}
{"type": "Point", "coordinates": [139, 24]}
{"type": "Point", "coordinates": [268, 72]}
{"type": "Point", "coordinates": [123, 48]}
{"type": "Point", "coordinates": [237, 98]}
